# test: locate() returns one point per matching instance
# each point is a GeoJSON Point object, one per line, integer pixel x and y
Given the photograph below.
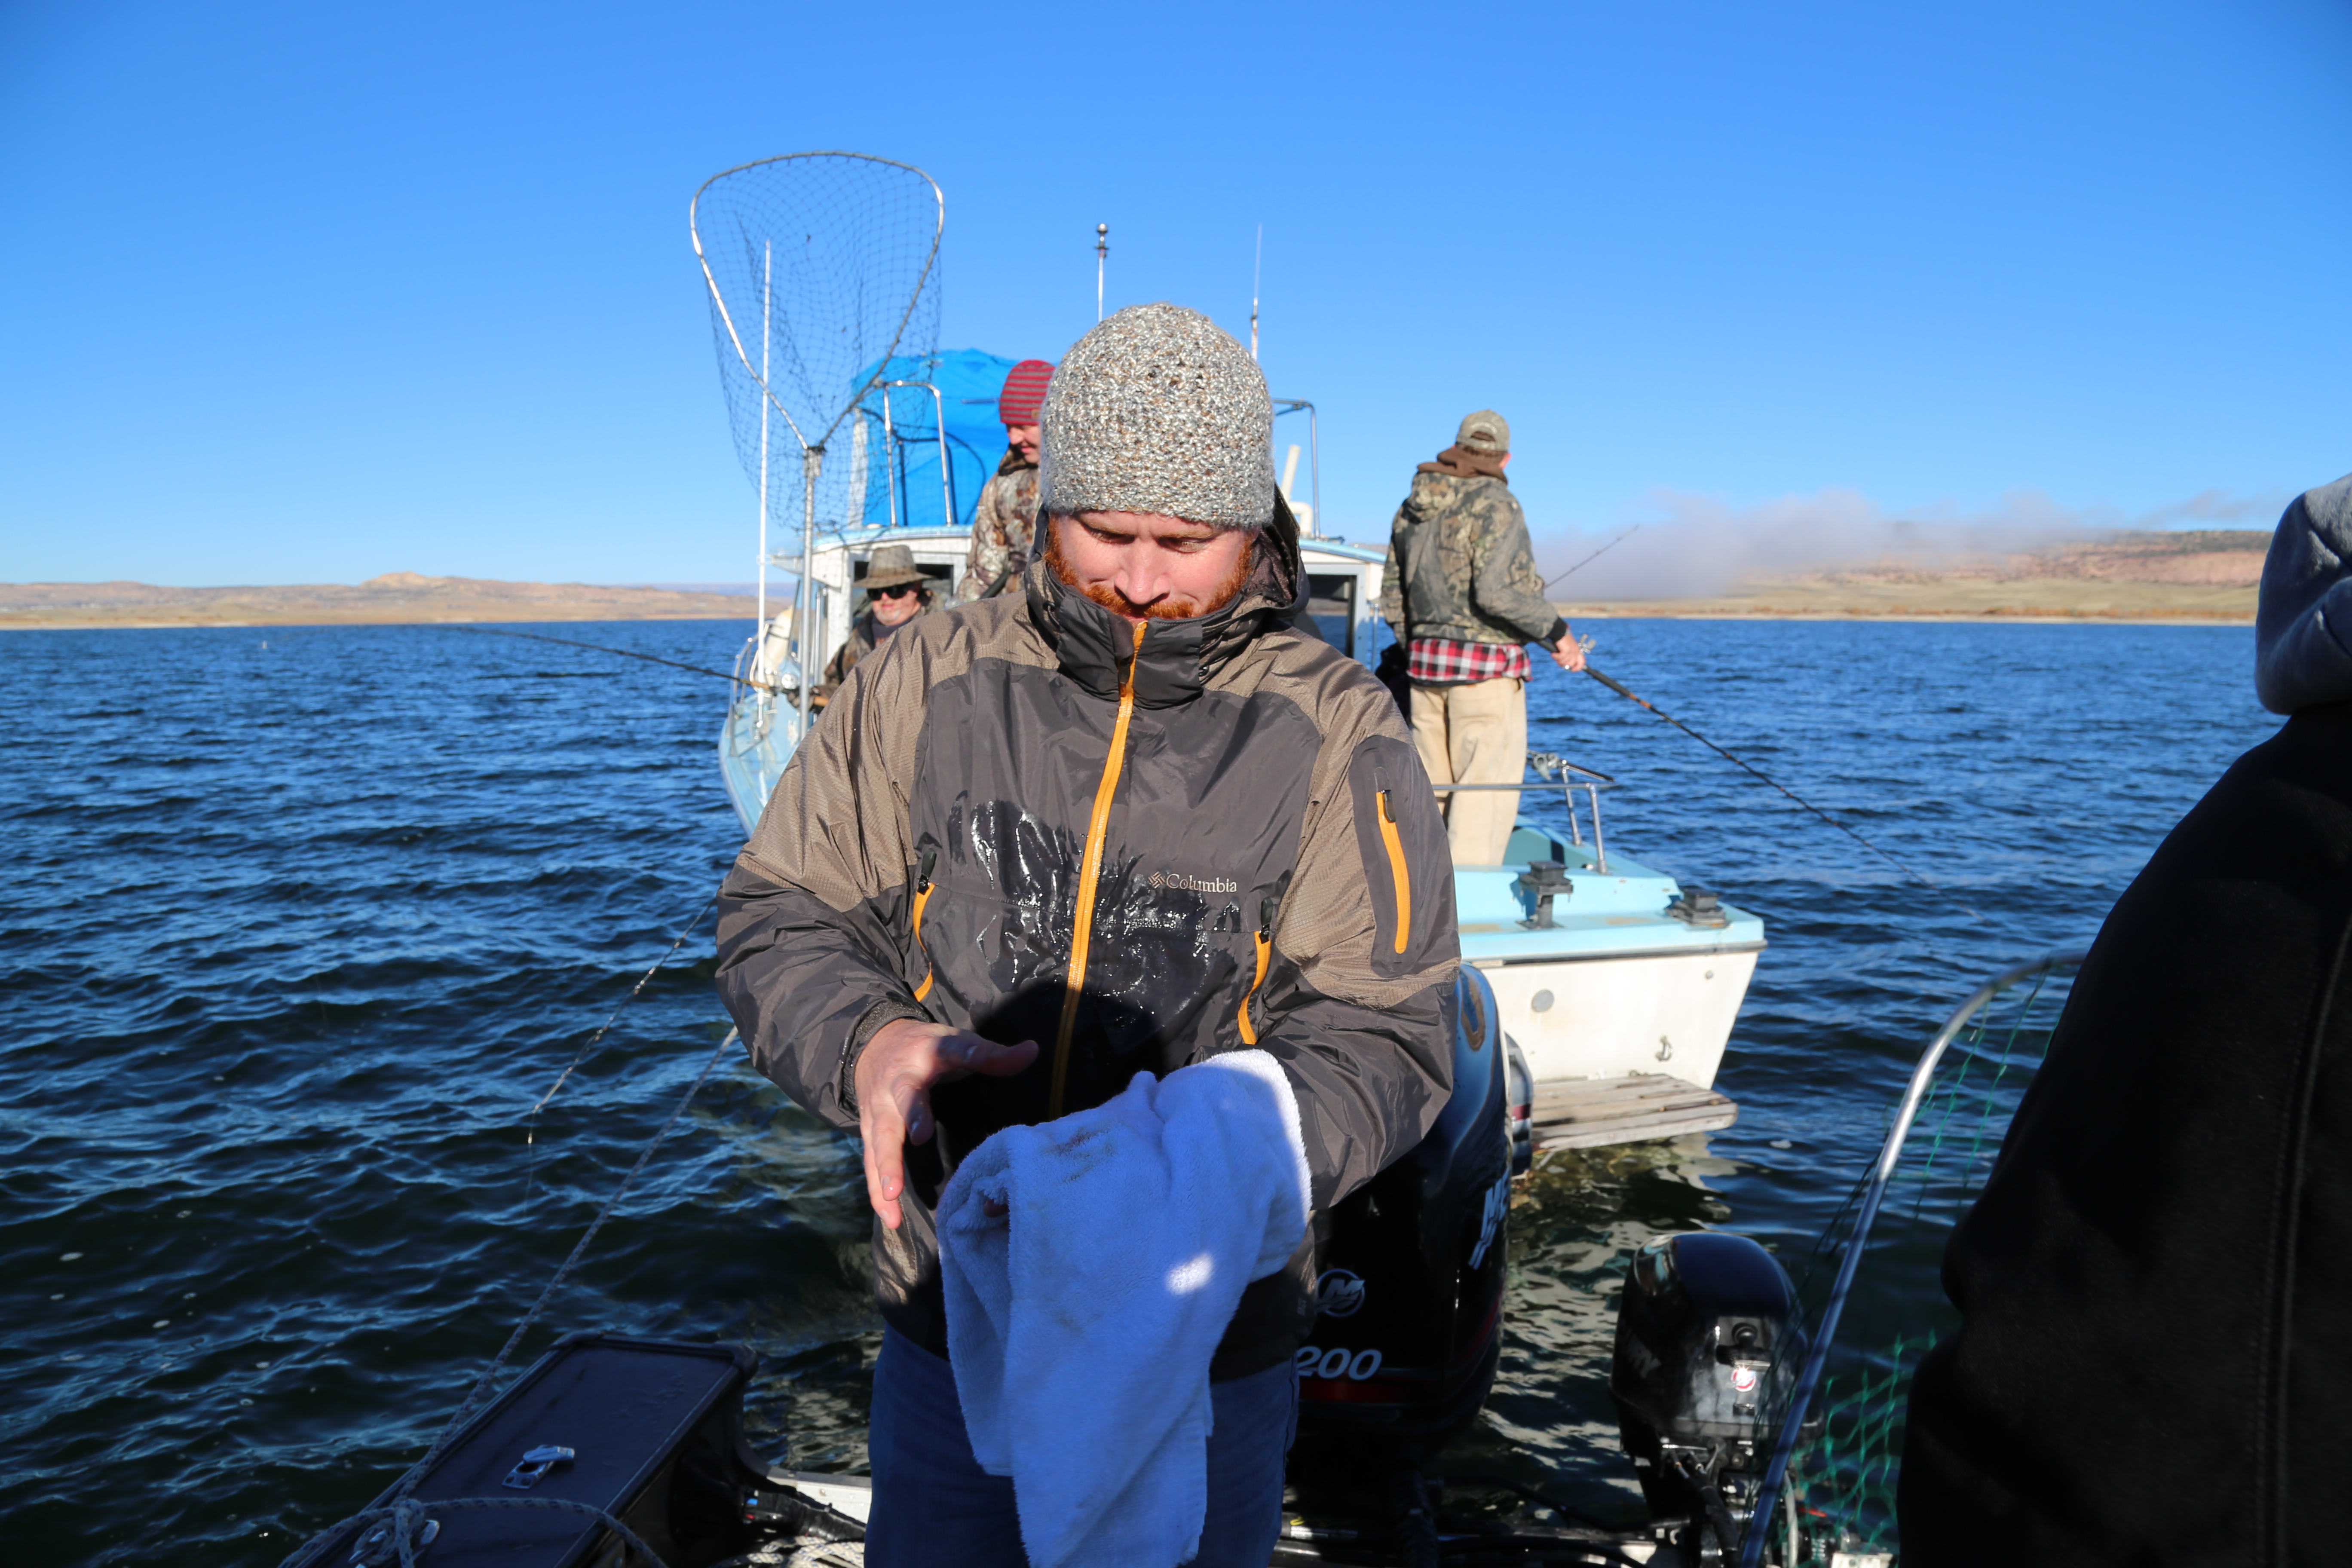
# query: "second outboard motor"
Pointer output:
{"type": "Point", "coordinates": [1707, 1332]}
{"type": "Point", "coordinates": [1410, 1302]}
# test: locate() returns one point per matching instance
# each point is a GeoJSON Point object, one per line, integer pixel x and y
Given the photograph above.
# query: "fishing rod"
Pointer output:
{"type": "Point", "coordinates": [1622, 691]}
{"type": "Point", "coordinates": [1596, 554]}
{"type": "Point", "coordinates": [620, 652]}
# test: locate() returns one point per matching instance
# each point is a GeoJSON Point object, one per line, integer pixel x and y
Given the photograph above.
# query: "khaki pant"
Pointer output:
{"type": "Point", "coordinates": [1475, 733]}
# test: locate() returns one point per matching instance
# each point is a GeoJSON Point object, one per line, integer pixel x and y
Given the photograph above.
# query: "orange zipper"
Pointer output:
{"type": "Point", "coordinates": [922, 897]}
{"type": "Point", "coordinates": [1396, 868]}
{"type": "Point", "coordinates": [1264, 952]}
{"type": "Point", "coordinates": [1089, 871]}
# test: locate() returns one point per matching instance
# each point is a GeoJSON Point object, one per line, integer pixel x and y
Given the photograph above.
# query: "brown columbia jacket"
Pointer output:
{"type": "Point", "coordinates": [1224, 842]}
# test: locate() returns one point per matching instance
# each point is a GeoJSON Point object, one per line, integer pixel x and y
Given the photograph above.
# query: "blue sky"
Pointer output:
{"type": "Point", "coordinates": [305, 293]}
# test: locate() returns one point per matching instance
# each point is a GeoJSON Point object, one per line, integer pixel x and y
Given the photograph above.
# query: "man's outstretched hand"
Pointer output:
{"type": "Point", "coordinates": [1567, 653]}
{"type": "Point", "coordinates": [895, 1074]}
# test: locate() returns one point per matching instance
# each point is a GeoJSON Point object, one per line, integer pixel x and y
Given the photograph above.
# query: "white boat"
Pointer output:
{"type": "Point", "coordinates": [1617, 985]}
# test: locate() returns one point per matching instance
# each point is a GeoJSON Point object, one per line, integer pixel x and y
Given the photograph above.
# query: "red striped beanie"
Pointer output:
{"type": "Point", "coordinates": [1024, 392]}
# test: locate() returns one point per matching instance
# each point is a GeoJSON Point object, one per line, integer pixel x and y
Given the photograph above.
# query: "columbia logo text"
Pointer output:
{"type": "Point", "coordinates": [1191, 884]}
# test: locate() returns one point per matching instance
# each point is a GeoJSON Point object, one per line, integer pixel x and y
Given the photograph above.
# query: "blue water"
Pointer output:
{"type": "Point", "coordinates": [298, 924]}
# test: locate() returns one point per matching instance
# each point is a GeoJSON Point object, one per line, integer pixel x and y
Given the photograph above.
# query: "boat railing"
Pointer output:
{"type": "Point", "coordinates": [1552, 772]}
{"type": "Point", "coordinates": [1838, 1453]}
{"type": "Point", "coordinates": [892, 441]}
{"type": "Point", "coordinates": [763, 687]}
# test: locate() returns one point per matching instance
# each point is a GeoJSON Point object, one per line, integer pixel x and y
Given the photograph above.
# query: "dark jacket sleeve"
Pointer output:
{"type": "Point", "coordinates": [813, 918]}
{"type": "Point", "coordinates": [1364, 949]}
{"type": "Point", "coordinates": [1507, 591]}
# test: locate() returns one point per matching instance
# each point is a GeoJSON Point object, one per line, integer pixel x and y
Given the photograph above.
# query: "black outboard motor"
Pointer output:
{"type": "Point", "coordinates": [1707, 1334]}
{"type": "Point", "coordinates": [1404, 1344]}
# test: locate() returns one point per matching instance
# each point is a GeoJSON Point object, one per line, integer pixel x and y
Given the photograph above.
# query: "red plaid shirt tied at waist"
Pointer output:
{"type": "Point", "coordinates": [1441, 661]}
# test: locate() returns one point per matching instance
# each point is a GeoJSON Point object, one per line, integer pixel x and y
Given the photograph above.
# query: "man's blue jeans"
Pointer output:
{"type": "Point", "coordinates": [934, 1504]}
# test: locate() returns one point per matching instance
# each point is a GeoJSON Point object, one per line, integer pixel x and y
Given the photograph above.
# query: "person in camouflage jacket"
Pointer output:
{"type": "Point", "coordinates": [1462, 597]}
{"type": "Point", "coordinates": [1004, 524]}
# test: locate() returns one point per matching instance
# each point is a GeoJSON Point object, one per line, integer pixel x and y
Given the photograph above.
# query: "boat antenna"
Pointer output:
{"type": "Point", "coordinates": [1900, 864]}
{"type": "Point", "coordinates": [1102, 249]}
{"type": "Point", "coordinates": [1596, 554]}
{"type": "Point", "coordinates": [1257, 270]}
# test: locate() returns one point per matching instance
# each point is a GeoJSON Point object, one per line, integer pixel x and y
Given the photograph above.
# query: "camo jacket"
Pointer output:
{"type": "Point", "coordinates": [1460, 566]}
{"type": "Point", "coordinates": [1003, 526]}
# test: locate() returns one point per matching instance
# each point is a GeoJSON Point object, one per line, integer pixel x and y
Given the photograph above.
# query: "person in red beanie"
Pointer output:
{"type": "Point", "coordinates": [1006, 519]}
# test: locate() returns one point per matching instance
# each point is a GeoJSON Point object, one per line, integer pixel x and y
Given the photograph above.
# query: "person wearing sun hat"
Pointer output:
{"type": "Point", "coordinates": [1128, 821]}
{"type": "Point", "coordinates": [897, 591]}
{"type": "Point", "coordinates": [1004, 524]}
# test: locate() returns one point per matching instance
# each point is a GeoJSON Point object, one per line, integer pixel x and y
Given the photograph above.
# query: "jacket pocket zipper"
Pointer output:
{"type": "Point", "coordinates": [1265, 913]}
{"type": "Point", "coordinates": [1395, 844]}
{"type": "Point", "coordinates": [1089, 871]}
{"type": "Point", "coordinates": [922, 897]}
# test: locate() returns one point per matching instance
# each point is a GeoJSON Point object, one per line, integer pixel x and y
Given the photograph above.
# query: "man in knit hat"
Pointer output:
{"type": "Point", "coordinates": [1005, 522]}
{"type": "Point", "coordinates": [1462, 595]}
{"type": "Point", "coordinates": [1125, 820]}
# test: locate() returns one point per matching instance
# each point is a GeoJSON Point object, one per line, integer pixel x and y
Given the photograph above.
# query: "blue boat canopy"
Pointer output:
{"type": "Point", "coordinates": [896, 477]}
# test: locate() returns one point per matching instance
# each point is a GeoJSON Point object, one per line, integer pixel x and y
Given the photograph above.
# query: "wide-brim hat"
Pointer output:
{"type": "Point", "coordinates": [891, 567]}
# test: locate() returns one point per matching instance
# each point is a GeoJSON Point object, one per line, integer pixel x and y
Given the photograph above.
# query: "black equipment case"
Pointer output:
{"type": "Point", "coordinates": [654, 1434]}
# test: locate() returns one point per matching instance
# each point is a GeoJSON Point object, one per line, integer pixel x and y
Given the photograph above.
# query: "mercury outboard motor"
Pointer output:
{"type": "Point", "coordinates": [1410, 1302]}
{"type": "Point", "coordinates": [1707, 1334]}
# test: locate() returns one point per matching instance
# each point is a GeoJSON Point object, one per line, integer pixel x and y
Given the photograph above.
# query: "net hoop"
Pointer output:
{"type": "Point", "coordinates": [735, 337]}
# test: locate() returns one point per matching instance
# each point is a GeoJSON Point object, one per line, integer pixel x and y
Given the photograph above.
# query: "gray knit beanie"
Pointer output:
{"type": "Point", "coordinates": [1159, 410]}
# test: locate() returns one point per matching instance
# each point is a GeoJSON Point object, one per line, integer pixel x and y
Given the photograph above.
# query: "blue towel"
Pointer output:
{"type": "Point", "coordinates": [1081, 1322]}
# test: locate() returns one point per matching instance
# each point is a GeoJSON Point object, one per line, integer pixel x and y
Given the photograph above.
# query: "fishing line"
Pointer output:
{"type": "Point", "coordinates": [1917, 876]}
{"type": "Point", "coordinates": [1596, 554]}
{"type": "Point", "coordinates": [417, 1472]}
{"type": "Point", "coordinates": [620, 652]}
{"type": "Point", "coordinates": [530, 1137]}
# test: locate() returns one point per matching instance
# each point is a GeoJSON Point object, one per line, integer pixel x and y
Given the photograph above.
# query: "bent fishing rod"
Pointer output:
{"type": "Point", "coordinates": [620, 652]}
{"type": "Point", "coordinates": [1919, 877]}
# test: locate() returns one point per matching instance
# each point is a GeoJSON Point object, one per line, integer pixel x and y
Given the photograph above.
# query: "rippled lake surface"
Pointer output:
{"type": "Point", "coordinates": [298, 925]}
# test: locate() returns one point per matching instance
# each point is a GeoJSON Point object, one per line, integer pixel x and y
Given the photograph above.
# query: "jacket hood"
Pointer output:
{"type": "Point", "coordinates": [2303, 629]}
{"type": "Point", "coordinates": [1179, 656]}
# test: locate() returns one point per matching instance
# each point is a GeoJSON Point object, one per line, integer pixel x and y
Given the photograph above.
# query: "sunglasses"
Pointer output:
{"type": "Point", "coordinates": [902, 591]}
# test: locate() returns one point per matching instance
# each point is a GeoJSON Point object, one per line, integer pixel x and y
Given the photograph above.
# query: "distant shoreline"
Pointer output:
{"type": "Point", "coordinates": [2183, 579]}
{"type": "Point", "coordinates": [2211, 577]}
{"type": "Point", "coordinates": [401, 598]}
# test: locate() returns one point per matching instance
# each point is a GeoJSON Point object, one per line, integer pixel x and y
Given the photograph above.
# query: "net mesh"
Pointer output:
{"type": "Point", "coordinates": [1842, 1479]}
{"type": "Point", "coordinates": [823, 268]}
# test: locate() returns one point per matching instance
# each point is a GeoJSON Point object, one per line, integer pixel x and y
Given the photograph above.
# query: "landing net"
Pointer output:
{"type": "Point", "coordinates": [1886, 1310]}
{"type": "Point", "coordinates": [823, 275]}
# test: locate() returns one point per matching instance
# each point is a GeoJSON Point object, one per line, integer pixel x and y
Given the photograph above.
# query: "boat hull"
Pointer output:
{"type": "Point", "coordinates": [1611, 1017]}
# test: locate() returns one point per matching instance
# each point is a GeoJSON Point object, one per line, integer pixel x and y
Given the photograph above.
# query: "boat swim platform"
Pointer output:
{"type": "Point", "coordinates": [1593, 1112]}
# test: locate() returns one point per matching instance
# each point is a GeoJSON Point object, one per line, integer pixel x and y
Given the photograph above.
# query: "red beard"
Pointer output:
{"type": "Point", "coordinates": [1170, 609]}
